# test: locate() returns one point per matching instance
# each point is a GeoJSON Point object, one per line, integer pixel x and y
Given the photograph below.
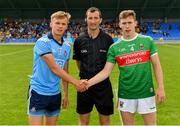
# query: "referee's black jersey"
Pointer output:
{"type": "Point", "coordinates": [91, 53]}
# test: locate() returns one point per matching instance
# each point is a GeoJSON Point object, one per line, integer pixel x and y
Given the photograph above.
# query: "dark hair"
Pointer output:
{"type": "Point", "coordinates": [93, 9]}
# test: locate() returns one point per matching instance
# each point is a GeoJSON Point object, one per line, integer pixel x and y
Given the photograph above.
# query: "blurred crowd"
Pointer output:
{"type": "Point", "coordinates": [34, 29]}
{"type": "Point", "coordinates": [20, 29]}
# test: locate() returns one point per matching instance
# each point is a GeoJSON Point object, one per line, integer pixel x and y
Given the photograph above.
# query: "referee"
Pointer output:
{"type": "Point", "coordinates": [90, 51]}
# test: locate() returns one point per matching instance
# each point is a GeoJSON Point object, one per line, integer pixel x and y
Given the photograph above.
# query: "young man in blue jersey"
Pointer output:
{"type": "Point", "coordinates": [51, 55]}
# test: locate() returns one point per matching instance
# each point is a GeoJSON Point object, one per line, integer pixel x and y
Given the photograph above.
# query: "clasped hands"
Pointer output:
{"type": "Point", "coordinates": [82, 86]}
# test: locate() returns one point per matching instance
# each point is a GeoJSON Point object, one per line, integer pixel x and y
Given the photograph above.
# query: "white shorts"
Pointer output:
{"type": "Point", "coordinates": [142, 106]}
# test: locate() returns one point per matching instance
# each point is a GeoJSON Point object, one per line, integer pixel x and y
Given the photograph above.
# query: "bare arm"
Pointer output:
{"type": "Point", "coordinates": [160, 93]}
{"type": "Point", "coordinates": [48, 58]}
{"type": "Point", "coordinates": [65, 88]}
{"type": "Point", "coordinates": [102, 75]}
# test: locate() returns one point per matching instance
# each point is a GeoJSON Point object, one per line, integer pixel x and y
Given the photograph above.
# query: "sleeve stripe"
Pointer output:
{"type": "Point", "coordinates": [45, 53]}
{"type": "Point", "coordinates": [154, 54]}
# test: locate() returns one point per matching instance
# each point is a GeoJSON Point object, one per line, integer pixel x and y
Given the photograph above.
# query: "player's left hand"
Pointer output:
{"type": "Point", "coordinates": [160, 95]}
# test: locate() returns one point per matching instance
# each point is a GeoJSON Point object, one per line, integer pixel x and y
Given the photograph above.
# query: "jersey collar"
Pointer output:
{"type": "Point", "coordinates": [50, 36]}
{"type": "Point", "coordinates": [99, 34]}
{"type": "Point", "coordinates": [129, 39]}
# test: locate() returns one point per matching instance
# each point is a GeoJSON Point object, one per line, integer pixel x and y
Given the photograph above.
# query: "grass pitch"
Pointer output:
{"type": "Point", "coordinates": [16, 65]}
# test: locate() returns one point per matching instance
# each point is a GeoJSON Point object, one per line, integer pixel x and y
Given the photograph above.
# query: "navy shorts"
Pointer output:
{"type": "Point", "coordinates": [42, 105]}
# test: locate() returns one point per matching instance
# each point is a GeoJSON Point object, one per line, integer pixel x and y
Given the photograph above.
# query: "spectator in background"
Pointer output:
{"type": "Point", "coordinates": [178, 28]}
{"type": "Point", "coordinates": [170, 27]}
{"type": "Point", "coordinates": [165, 33]}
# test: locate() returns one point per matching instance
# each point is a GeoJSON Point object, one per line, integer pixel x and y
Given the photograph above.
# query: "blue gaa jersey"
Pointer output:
{"type": "Point", "coordinates": [43, 80]}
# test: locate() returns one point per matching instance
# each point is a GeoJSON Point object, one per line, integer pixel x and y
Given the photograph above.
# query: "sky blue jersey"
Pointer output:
{"type": "Point", "coordinates": [43, 80]}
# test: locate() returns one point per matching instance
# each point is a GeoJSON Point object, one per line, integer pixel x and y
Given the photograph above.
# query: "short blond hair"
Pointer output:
{"type": "Point", "coordinates": [127, 13]}
{"type": "Point", "coordinates": [60, 15]}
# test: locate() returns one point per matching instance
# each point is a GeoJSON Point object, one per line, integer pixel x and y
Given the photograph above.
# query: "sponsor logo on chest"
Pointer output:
{"type": "Point", "coordinates": [133, 58]}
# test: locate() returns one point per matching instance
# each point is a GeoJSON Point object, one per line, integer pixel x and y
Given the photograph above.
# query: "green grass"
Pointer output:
{"type": "Point", "coordinates": [16, 65]}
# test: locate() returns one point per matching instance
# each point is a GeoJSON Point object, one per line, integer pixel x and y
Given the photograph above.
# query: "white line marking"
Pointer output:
{"type": "Point", "coordinates": [178, 47]}
{"type": "Point", "coordinates": [12, 53]}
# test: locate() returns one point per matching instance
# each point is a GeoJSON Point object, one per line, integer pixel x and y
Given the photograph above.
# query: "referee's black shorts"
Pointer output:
{"type": "Point", "coordinates": [100, 95]}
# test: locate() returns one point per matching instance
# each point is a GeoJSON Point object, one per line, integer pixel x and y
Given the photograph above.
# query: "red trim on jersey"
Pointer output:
{"type": "Point", "coordinates": [133, 58]}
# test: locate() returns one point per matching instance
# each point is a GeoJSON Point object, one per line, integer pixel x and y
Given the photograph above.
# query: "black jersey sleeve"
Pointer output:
{"type": "Point", "coordinates": [76, 53]}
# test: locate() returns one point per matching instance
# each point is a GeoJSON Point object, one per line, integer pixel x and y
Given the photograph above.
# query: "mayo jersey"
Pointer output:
{"type": "Point", "coordinates": [133, 59]}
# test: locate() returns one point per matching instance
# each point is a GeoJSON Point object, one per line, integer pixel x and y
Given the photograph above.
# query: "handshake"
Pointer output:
{"type": "Point", "coordinates": [82, 85]}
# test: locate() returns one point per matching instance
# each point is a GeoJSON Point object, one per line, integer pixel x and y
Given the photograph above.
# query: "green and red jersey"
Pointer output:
{"type": "Point", "coordinates": [133, 59]}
